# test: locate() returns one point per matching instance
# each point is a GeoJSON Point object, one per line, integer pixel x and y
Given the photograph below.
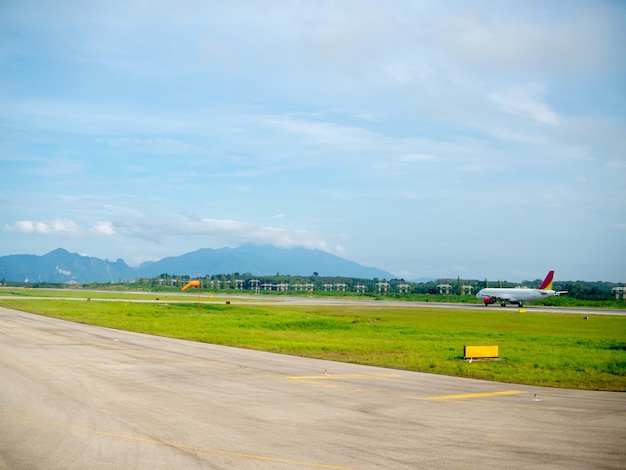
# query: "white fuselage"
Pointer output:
{"type": "Point", "coordinates": [514, 294]}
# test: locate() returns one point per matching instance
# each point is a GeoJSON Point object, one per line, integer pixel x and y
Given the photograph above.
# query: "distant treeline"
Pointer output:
{"type": "Point", "coordinates": [321, 285]}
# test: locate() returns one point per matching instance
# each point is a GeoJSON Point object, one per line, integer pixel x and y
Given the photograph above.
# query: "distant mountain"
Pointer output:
{"type": "Point", "coordinates": [260, 260]}
{"type": "Point", "coordinates": [61, 266]}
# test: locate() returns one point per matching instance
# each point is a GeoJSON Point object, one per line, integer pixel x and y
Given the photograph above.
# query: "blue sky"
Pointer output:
{"type": "Point", "coordinates": [426, 138]}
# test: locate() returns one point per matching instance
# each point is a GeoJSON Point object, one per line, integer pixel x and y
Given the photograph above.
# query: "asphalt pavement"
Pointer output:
{"type": "Point", "coordinates": [74, 396]}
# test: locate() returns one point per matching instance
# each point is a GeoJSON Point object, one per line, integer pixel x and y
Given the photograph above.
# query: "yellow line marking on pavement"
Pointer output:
{"type": "Point", "coordinates": [331, 377]}
{"type": "Point", "coordinates": [312, 380]}
{"type": "Point", "coordinates": [474, 395]}
{"type": "Point", "coordinates": [174, 444]}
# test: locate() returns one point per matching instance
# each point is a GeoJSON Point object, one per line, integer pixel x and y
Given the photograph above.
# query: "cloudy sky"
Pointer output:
{"type": "Point", "coordinates": [482, 139]}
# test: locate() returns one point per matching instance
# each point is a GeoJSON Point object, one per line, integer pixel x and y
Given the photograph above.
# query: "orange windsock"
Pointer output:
{"type": "Point", "coordinates": [191, 284]}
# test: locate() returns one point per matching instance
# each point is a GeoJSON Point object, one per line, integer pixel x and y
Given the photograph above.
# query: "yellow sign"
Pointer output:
{"type": "Point", "coordinates": [480, 352]}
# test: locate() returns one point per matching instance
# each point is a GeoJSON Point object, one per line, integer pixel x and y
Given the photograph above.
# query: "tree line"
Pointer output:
{"type": "Point", "coordinates": [582, 290]}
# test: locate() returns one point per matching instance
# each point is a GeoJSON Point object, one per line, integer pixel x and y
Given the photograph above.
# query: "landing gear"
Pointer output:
{"type": "Point", "coordinates": [502, 304]}
{"type": "Point", "coordinates": [521, 305]}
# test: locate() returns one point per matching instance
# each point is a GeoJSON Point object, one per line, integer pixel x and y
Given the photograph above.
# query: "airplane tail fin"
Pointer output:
{"type": "Point", "coordinates": [547, 282]}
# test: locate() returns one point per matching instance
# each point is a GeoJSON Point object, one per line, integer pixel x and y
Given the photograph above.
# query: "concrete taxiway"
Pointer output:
{"type": "Point", "coordinates": [74, 396]}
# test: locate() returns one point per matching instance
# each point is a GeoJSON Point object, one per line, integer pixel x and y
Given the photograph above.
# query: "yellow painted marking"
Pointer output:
{"type": "Point", "coordinates": [331, 377]}
{"type": "Point", "coordinates": [474, 395]}
{"type": "Point", "coordinates": [311, 379]}
{"type": "Point", "coordinates": [174, 444]}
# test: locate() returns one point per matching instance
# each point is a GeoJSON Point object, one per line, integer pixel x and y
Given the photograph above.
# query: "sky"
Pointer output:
{"type": "Point", "coordinates": [471, 139]}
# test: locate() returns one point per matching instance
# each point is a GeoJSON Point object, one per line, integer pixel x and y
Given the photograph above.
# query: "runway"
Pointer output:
{"type": "Point", "coordinates": [74, 396]}
{"type": "Point", "coordinates": [445, 305]}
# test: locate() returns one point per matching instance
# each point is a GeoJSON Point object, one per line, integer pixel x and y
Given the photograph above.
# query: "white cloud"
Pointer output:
{"type": "Point", "coordinates": [524, 102]}
{"type": "Point", "coordinates": [572, 38]}
{"type": "Point", "coordinates": [213, 232]}
{"type": "Point", "coordinates": [63, 271]}
{"type": "Point", "coordinates": [57, 226]}
{"type": "Point", "coordinates": [340, 250]}
{"type": "Point", "coordinates": [63, 227]}
{"type": "Point", "coordinates": [103, 228]}
{"type": "Point", "coordinates": [246, 232]}
{"type": "Point", "coordinates": [323, 133]}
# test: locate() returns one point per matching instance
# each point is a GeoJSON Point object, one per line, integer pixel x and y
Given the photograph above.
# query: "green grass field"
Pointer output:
{"type": "Point", "coordinates": [560, 350]}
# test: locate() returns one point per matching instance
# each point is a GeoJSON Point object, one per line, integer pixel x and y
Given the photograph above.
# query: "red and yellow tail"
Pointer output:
{"type": "Point", "coordinates": [547, 282]}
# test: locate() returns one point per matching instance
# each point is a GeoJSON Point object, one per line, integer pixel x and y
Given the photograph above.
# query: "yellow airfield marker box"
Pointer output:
{"type": "Point", "coordinates": [480, 352]}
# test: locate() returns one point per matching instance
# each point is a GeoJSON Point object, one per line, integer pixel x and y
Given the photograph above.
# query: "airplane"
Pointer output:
{"type": "Point", "coordinates": [518, 295]}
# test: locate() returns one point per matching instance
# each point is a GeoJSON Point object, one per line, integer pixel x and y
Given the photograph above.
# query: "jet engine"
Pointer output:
{"type": "Point", "coordinates": [489, 300]}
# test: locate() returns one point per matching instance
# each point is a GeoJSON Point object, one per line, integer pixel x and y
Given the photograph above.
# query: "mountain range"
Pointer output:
{"type": "Point", "coordinates": [61, 266]}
